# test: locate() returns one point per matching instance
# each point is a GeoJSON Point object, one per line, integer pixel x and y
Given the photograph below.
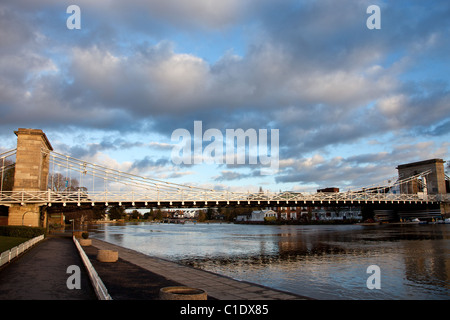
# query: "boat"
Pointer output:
{"type": "Point", "coordinates": [369, 222]}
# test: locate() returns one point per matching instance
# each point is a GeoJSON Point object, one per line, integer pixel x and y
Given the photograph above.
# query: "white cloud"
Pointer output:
{"type": "Point", "coordinates": [393, 105]}
{"type": "Point", "coordinates": [161, 145]}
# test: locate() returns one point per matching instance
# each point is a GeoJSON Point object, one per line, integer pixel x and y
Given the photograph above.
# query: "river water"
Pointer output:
{"type": "Point", "coordinates": [321, 262]}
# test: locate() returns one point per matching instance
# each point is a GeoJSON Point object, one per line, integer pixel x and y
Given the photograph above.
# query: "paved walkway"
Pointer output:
{"type": "Point", "coordinates": [217, 286]}
{"type": "Point", "coordinates": [40, 273]}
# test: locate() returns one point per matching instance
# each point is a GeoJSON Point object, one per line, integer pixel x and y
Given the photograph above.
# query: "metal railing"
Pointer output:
{"type": "Point", "coordinates": [8, 255]}
{"type": "Point", "coordinates": [100, 289]}
{"type": "Point", "coordinates": [183, 197]}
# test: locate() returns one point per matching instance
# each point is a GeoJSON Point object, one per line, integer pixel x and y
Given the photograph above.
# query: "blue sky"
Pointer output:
{"type": "Point", "coordinates": [350, 103]}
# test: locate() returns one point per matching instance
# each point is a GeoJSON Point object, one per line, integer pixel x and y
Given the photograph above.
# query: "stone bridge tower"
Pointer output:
{"type": "Point", "coordinates": [31, 174]}
{"type": "Point", "coordinates": [435, 181]}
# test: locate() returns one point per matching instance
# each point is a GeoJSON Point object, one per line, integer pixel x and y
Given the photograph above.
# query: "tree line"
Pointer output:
{"type": "Point", "coordinates": [222, 213]}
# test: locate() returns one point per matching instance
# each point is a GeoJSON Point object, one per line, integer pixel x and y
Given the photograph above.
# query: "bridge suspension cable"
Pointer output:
{"type": "Point", "coordinates": [8, 153]}
{"type": "Point", "coordinates": [6, 165]}
{"type": "Point", "coordinates": [396, 182]}
{"type": "Point", "coordinates": [85, 168]}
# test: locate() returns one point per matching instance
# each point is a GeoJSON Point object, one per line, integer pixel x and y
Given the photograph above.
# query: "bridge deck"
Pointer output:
{"type": "Point", "coordinates": [212, 198]}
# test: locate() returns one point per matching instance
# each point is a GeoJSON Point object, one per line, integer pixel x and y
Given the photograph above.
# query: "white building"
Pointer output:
{"type": "Point", "coordinates": [186, 212]}
{"type": "Point", "coordinates": [256, 216]}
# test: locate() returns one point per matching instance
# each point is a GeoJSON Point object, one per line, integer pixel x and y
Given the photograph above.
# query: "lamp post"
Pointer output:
{"type": "Point", "coordinates": [73, 225]}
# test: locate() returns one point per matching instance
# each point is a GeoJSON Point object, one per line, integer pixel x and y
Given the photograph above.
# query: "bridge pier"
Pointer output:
{"type": "Point", "coordinates": [31, 215]}
{"type": "Point", "coordinates": [31, 174]}
{"type": "Point", "coordinates": [445, 209]}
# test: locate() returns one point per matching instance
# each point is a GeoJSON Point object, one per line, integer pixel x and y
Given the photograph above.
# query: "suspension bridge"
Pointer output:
{"type": "Point", "coordinates": [34, 176]}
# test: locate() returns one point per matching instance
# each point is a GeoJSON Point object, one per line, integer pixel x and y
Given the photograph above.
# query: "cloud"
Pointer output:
{"type": "Point", "coordinates": [147, 162]}
{"type": "Point", "coordinates": [310, 69]}
{"type": "Point", "coordinates": [227, 175]}
{"type": "Point", "coordinates": [161, 145]}
{"type": "Point", "coordinates": [359, 170]}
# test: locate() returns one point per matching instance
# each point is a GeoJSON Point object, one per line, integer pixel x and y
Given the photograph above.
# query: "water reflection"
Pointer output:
{"type": "Point", "coordinates": [324, 262]}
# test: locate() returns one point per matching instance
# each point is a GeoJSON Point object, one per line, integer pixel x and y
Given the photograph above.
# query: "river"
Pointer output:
{"type": "Point", "coordinates": [321, 262]}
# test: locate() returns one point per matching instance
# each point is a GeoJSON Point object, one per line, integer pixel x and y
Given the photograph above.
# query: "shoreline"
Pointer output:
{"type": "Point", "coordinates": [217, 286]}
{"type": "Point", "coordinates": [188, 221]}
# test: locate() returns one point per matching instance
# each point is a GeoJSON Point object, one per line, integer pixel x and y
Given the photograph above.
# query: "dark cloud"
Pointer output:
{"type": "Point", "coordinates": [144, 164]}
{"type": "Point", "coordinates": [230, 175]}
{"type": "Point", "coordinates": [90, 149]}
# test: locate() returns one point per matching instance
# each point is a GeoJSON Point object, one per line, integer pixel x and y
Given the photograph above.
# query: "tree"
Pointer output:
{"type": "Point", "coordinates": [57, 182]}
{"type": "Point", "coordinates": [201, 216]}
{"type": "Point", "coordinates": [158, 215]}
{"type": "Point", "coordinates": [7, 171]}
{"type": "Point", "coordinates": [209, 213]}
{"type": "Point", "coordinates": [148, 215]}
{"type": "Point", "coordinates": [78, 215]}
{"type": "Point", "coordinates": [116, 212]}
{"type": "Point", "coordinates": [99, 212]}
{"type": "Point", "coordinates": [135, 214]}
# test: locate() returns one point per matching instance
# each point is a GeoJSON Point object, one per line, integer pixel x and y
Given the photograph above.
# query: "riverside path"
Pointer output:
{"type": "Point", "coordinates": [41, 273]}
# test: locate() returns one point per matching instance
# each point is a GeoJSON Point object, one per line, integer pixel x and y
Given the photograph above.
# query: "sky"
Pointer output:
{"type": "Point", "coordinates": [349, 103]}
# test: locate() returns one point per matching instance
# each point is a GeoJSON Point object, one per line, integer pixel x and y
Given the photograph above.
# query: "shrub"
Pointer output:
{"type": "Point", "coordinates": [85, 235]}
{"type": "Point", "coordinates": [21, 231]}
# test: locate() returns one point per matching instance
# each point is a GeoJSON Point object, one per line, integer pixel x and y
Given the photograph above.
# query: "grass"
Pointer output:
{"type": "Point", "coordinates": [7, 243]}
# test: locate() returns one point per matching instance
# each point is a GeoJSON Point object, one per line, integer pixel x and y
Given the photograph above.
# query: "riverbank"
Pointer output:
{"type": "Point", "coordinates": [137, 276]}
{"type": "Point", "coordinates": [193, 221]}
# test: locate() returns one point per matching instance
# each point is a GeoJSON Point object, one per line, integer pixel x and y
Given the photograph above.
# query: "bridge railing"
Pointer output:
{"type": "Point", "coordinates": [203, 198]}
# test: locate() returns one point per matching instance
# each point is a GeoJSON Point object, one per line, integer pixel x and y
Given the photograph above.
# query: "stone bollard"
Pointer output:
{"type": "Point", "coordinates": [85, 242]}
{"type": "Point", "coordinates": [77, 234]}
{"type": "Point", "coordinates": [182, 293]}
{"type": "Point", "coordinates": [107, 256]}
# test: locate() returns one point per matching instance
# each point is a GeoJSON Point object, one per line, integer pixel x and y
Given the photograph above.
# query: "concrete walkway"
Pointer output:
{"type": "Point", "coordinates": [217, 286]}
{"type": "Point", "coordinates": [41, 273]}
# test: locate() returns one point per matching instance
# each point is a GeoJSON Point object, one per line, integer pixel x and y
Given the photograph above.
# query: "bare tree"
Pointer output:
{"type": "Point", "coordinates": [57, 182]}
{"type": "Point", "coordinates": [7, 170]}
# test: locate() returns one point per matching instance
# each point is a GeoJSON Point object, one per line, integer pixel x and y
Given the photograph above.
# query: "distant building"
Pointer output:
{"type": "Point", "coordinates": [328, 190]}
{"type": "Point", "coordinates": [242, 217]}
{"type": "Point", "coordinates": [256, 216]}
{"type": "Point", "coordinates": [317, 213]}
{"type": "Point", "coordinates": [188, 213]}
{"type": "Point", "coordinates": [178, 214]}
